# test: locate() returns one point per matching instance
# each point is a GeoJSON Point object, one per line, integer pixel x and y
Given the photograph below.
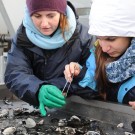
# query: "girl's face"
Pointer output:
{"type": "Point", "coordinates": [46, 21]}
{"type": "Point", "coordinates": [114, 46]}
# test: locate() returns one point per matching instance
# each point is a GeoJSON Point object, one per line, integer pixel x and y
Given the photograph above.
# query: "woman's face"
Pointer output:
{"type": "Point", "coordinates": [114, 46]}
{"type": "Point", "coordinates": [46, 21]}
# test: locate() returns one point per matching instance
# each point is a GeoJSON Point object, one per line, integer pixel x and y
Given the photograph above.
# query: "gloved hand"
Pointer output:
{"type": "Point", "coordinates": [51, 97]}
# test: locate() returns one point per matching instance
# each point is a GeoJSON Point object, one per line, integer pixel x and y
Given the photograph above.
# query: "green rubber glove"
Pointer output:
{"type": "Point", "coordinates": [51, 97]}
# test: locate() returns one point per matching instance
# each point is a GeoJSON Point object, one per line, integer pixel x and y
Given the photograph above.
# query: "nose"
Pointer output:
{"type": "Point", "coordinates": [104, 45]}
{"type": "Point", "coordinates": [44, 22]}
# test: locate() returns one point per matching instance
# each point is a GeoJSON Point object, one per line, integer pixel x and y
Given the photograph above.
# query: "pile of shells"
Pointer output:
{"type": "Point", "coordinates": [76, 125]}
{"type": "Point", "coordinates": [23, 121]}
{"type": "Point", "coordinates": [17, 121]}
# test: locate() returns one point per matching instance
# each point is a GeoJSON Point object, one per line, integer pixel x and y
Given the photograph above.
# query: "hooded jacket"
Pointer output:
{"type": "Point", "coordinates": [29, 67]}
{"type": "Point", "coordinates": [122, 92]}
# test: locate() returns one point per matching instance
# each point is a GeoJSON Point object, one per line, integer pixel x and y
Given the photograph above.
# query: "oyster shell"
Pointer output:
{"type": "Point", "coordinates": [120, 125]}
{"type": "Point", "coordinates": [69, 131]}
{"type": "Point", "coordinates": [62, 122]}
{"type": "Point", "coordinates": [30, 123]}
{"type": "Point", "coordinates": [92, 133]}
{"type": "Point", "coordinates": [9, 131]}
{"type": "Point", "coordinates": [128, 133]}
{"type": "Point", "coordinates": [3, 113]}
{"type": "Point", "coordinates": [41, 122]}
{"type": "Point", "coordinates": [74, 121]}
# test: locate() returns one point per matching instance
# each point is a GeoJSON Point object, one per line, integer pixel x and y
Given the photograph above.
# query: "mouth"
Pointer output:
{"type": "Point", "coordinates": [46, 29]}
{"type": "Point", "coordinates": [111, 53]}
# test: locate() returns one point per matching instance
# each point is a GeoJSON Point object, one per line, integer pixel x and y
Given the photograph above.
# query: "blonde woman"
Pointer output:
{"type": "Point", "coordinates": [49, 38]}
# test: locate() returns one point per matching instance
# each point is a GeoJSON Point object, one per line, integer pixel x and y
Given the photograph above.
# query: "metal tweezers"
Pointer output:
{"type": "Point", "coordinates": [67, 85]}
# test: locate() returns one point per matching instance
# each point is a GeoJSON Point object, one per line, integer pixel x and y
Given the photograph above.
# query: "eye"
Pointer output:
{"type": "Point", "coordinates": [50, 16]}
{"type": "Point", "coordinates": [36, 15]}
{"type": "Point", "coordinates": [111, 39]}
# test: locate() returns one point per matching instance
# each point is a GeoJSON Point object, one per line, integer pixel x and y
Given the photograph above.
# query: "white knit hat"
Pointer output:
{"type": "Point", "coordinates": [112, 18]}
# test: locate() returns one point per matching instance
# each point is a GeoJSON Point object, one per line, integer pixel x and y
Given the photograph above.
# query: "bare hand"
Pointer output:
{"type": "Point", "coordinates": [132, 104]}
{"type": "Point", "coordinates": [71, 69]}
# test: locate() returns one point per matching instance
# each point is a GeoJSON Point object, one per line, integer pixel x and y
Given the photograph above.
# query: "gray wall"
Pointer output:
{"type": "Point", "coordinates": [11, 14]}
